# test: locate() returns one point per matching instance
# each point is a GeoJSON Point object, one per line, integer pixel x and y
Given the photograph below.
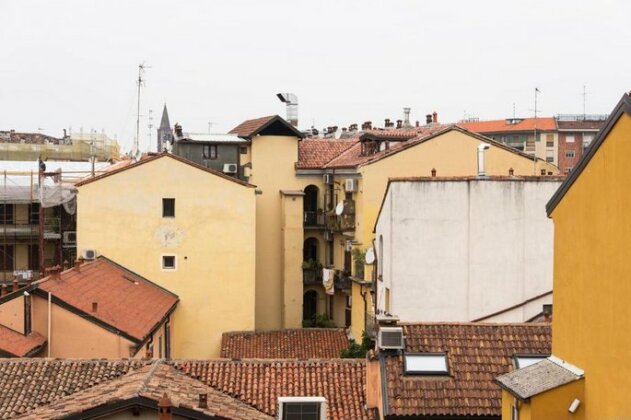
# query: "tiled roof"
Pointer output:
{"type": "Point", "coordinates": [498, 126]}
{"type": "Point", "coordinates": [537, 378]}
{"type": "Point", "coordinates": [259, 383]}
{"type": "Point", "coordinates": [13, 343]}
{"type": "Point", "coordinates": [151, 382]}
{"type": "Point", "coordinates": [307, 343]}
{"type": "Point", "coordinates": [248, 127]}
{"type": "Point", "coordinates": [315, 153]}
{"type": "Point", "coordinates": [125, 301]}
{"type": "Point", "coordinates": [476, 354]}
{"type": "Point", "coordinates": [29, 383]}
{"type": "Point", "coordinates": [153, 156]}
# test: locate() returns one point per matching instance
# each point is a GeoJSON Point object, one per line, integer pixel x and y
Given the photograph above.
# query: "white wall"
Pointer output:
{"type": "Point", "coordinates": [464, 249]}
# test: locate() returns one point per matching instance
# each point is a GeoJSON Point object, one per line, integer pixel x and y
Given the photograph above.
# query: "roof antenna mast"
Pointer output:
{"type": "Point", "coordinates": [140, 82]}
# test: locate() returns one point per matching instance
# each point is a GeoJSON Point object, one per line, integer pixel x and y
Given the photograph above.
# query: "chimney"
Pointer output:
{"type": "Point", "coordinates": [203, 401]}
{"type": "Point", "coordinates": [387, 122]}
{"type": "Point", "coordinates": [368, 125]}
{"type": "Point", "coordinates": [164, 408]}
{"type": "Point", "coordinates": [95, 306]}
{"type": "Point", "coordinates": [511, 172]}
{"type": "Point", "coordinates": [77, 265]}
{"type": "Point", "coordinates": [435, 117]}
{"type": "Point", "coordinates": [178, 131]}
{"type": "Point", "coordinates": [418, 123]}
{"type": "Point", "coordinates": [65, 134]}
{"type": "Point", "coordinates": [399, 123]}
{"type": "Point", "coordinates": [433, 172]}
{"type": "Point", "coordinates": [428, 119]}
{"type": "Point", "coordinates": [482, 147]}
{"type": "Point", "coordinates": [406, 117]}
{"type": "Point", "coordinates": [27, 313]}
{"type": "Point", "coordinates": [291, 101]}
{"type": "Point", "coordinates": [15, 284]}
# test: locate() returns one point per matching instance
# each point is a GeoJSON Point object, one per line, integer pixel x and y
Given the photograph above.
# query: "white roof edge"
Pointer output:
{"type": "Point", "coordinates": [567, 366]}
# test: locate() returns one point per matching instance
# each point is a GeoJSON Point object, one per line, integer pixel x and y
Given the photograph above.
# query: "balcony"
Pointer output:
{"type": "Point", "coordinates": [311, 276]}
{"type": "Point", "coordinates": [313, 219]}
{"type": "Point", "coordinates": [342, 281]}
{"type": "Point", "coordinates": [343, 222]}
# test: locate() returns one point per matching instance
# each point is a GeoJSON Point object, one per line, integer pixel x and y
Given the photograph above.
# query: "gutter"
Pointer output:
{"type": "Point", "coordinates": [384, 385]}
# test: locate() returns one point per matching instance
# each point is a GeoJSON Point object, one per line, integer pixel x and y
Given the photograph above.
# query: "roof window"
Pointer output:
{"type": "Point", "coordinates": [425, 364]}
{"type": "Point", "coordinates": [524, 360]}
{"type": "Point", "coordinates": [301, 408]}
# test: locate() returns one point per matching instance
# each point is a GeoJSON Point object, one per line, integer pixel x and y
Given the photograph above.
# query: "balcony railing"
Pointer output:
{"type": "Point", "coordinates": [313, 219]}
{"type": "Point", "coordinates": [342, 281]}
{"type": "Point", "coordinates": [312, 276]}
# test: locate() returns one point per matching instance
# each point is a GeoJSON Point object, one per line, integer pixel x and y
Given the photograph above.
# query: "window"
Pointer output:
{"type": "Point", "coordinates": [168, 262]}
{"type": "Point", "coordinates": [209, 151]}
{"type": "Point", "coordinates": [168, 207]}
{"type": "Point", "coordinates": [550, 159]}
{"type": "Point", "coordinates": [6, 214]}
{"type": "Point", "coordinates": [243, 150]}
{"type": "Point", "coordinates": [522, 361]}
{"type": "Point", "coordinates": [570, 154]}
{"type": "Point", "coordinates": [549, 144]}
{"type": "Point", "coordinates": [569, 138]}
{"type": "Point", "coordinates": [425, 364]}
{"type": "Point", "coordinates": [302, 408]}
{"type": "Point", "coordinates": [33, 214]}
{"type": "Point", "coordinates": [6, 257]}
{"type": "Point", "coordinates": [33, 257]}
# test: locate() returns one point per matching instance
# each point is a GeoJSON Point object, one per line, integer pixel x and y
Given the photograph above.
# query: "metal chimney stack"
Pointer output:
{"type": "Point", "coordinates": [291, 101]}
{"type": "Point", "coordinates": [482, 147]}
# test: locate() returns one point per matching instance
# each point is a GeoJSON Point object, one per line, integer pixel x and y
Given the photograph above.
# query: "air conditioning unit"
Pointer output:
{"type": "Point", "coordinates": [390, 338]}
{"type": "Point", "coordinates": [350, 185]}
{"type": "Point", "coordinates": [328, 235]}
{"type": "Point", "coordinates": [70, 237]}
{"type": "Point", "coordinates": [327, 179]}
{"type": "Point", "coordinates": [230, 168]}
{"type": "Point", "coordinates": [89, 254]}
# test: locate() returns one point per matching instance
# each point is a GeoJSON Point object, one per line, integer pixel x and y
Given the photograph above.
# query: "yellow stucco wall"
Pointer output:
{"type": "Point", "coordinates": [550, 405]}
{"type": "Point", "coordinates": [592, 314]}
{"type": "Point", "coordinates": [12, 314]}
{"type": "Point", "coordinates": [451, 154]}
{"type": "Point", "coordinates": [292, 244]}
{"type": "Point", "coordinates": [212, 236]}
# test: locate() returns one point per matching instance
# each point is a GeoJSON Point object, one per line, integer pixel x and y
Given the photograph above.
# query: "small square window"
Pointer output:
{"type": "Point", "coordinates": [168, 262]}
{"type": "Point", "coordinates": [168, 207]}
{"type": "Point", "coordinates": [425, 364]}
{"type": "Point", "coordinates": [550, 159]}
{"type": "Point", "coordinates": [243, 150]}
{"type": "Point", "coordinates": [209, 151]}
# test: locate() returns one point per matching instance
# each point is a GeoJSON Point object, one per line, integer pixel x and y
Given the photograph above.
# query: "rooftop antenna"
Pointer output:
{"type": "Point", "coordinates": [150, 126]}
{"type": "Point", "coordinates": [140, 81]}
{"type": "Point", "coordinates": [92, 151]}
{"type": "Point", "coordinates": [210, 124]}
{"type": "Point", "coordinates": [584, 100]}
{"type": "Point", "coordinates": [513, 110]}
{"type": "Point", "coordinates": [534, 160]}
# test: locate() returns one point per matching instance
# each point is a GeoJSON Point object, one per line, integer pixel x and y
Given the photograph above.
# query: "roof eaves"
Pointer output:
{"type": "Point", "coordinates": [623, 107]}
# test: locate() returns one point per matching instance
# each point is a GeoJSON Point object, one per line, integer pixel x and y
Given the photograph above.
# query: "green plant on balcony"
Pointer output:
{"type": "Point", "coordinates": [356, 351]}
{"type": "Point", "coordinates": [311, 265]}
{"type": "Point", "coordinates": [359, 256]}
{"type": "Point", "coordinates": [318, 321]}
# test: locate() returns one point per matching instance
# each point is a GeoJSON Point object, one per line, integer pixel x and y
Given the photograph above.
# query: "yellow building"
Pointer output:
{"type": "Point", "coordinates": [189, 229]}
{"type": "Point", "coordinates": [352, 176]}
{"type": "Point", "coordinates": [592, 315]}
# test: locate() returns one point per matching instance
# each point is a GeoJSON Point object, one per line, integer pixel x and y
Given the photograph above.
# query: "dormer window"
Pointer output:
{"type": "Point", "coordinates": [370, 147]}
{"type": "Point", "coordinates": [524, 360]}
{"type": "Point", "coordinates": [425, 364]}
{"type": "Point", "coordinates": [301, 408]}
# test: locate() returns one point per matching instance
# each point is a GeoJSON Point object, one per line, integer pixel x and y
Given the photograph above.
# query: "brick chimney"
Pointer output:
{"type": "Point", "coordinates": [399, 123]}
{"type": "Point", "coordinates": [428, 119]}
{"type": "Point", "coordinates": [164, 408]}
{"type": "Point", "coordinates": [387, 122]}
{"type": "Point", "coordinates": [435, 117]}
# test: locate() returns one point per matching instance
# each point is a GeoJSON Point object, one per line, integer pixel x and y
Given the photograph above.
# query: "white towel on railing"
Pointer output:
{"type": "Point", "coordinates": [328, 276]}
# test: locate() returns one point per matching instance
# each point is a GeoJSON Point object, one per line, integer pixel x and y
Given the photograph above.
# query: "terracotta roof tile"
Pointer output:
{"type": "Point", "coordinates": [476, 354]}
{"type": "Point", "coordinates": [498, 126]}
{"type": "Point", "coordinates": [308, 343]}
{"type": "Point", "coordinates": [249, 127]}
{"type": "Point", "coordinates": [259, 383]}
{"type": "Point", "coordinates": [315, 153]}
{"type": "Point", "coordinates": [152, 382]}
{"type": "Point", "coordinates": [125, 301]}
{"type": "Point", "coordinates": [16, 344]}
{"type": "Point", "coordinates": [29, 383]}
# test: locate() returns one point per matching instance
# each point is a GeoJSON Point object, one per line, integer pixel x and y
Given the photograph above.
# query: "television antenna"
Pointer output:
{"type": "Point", "coordinates": [139, 82]}
{"type": "Point", "coordinates": [584, 94]}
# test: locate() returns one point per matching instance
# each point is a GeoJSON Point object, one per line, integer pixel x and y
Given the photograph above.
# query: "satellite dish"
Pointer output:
{"type": "Point", "coordinates": [339, 209]}
{"type": "Point", "coordinates": [370, 256]}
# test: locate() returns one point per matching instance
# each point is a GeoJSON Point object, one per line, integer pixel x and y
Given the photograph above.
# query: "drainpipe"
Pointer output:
{"type": "Point", "coordinates": [49, 322]}
{"type": "Point", "coordinates": [27, 313]}
{"type": "Point", "coordinates": [481, 148]}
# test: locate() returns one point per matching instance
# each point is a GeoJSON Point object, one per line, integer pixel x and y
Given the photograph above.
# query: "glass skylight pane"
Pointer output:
{"type": "Point", "coordinates": [523, 362]}
{"type": "Point", "coordinates": [426, 363]}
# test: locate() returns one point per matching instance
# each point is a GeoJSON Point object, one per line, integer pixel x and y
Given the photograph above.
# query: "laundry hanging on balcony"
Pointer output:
{"type": "Point", "coordinates": [328, 280]}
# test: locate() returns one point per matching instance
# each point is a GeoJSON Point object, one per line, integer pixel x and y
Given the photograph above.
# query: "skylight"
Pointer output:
{"type": "Point", "coordinates": [523, 361]}
{"type": "Point", "coordinates": [426, 364]}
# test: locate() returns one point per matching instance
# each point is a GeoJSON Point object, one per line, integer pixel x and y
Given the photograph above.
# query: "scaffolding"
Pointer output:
{"type": "Point", "coordinates": [80, 149]}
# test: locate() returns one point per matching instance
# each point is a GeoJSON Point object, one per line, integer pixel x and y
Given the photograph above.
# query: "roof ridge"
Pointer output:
{"type": "Point", "coordinates": [148, 377]}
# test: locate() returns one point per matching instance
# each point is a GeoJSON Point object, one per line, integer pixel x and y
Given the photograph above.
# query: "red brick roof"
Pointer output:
{"type": "Point", "coordinates": [317, 152]}
{"type": "Point", "coordinates": [259, 383]}
{"type": "Point", "coordinates": [29, 383]}
{"type": "Point", "coordinates": [13, 343]}
{"type": "Point", "coordinates": [150, 382]}
{"type": "Point", "coordinates": [476, 354]}
{"type": "Point", "coordinates": [125, 301]}
{"type": "Point", "coordinates": [307, 343]}
{"type": "Point", "coordinates": [498, 126]}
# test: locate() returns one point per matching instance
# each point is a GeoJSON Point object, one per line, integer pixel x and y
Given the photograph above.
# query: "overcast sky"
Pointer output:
{"type": "Point", "coordinates": [75, 63]}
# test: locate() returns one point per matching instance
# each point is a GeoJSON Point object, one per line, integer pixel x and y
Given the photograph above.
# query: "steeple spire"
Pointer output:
{"type": "Point", "coordinates": [165, 134]}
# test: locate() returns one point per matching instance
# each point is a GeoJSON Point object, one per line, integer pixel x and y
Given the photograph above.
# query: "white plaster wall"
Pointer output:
{"type": "Point", "coordinates": [462, 250]}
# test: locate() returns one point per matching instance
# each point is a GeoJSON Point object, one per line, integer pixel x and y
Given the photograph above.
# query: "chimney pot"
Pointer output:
{"type": "Point", "coordinates": [399, 123]}
{"type": "Point", "coordinates": [178, 130]}
{"type": "Point", "coordinates": [164, 408]}
{"type": "Point", "coordinates": [15, 284]}
{"type": "Point", "coordinates": [418, 123]}
{"type": "Point", "coordinates": [433, 172]}
{"type": "Point", "coordinates": [435, 117]}
{"type": "Point", "coordinates": [203, 400]}
{"type": "Point", "coordinates": [428, 119]}
{"type": "Point", "coordinates": [95, 306]}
